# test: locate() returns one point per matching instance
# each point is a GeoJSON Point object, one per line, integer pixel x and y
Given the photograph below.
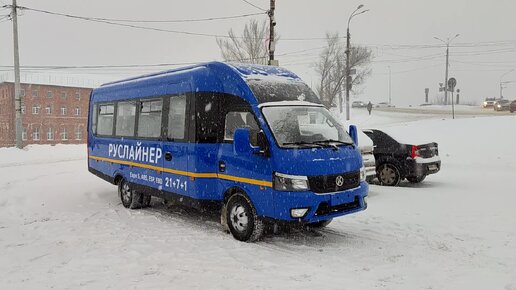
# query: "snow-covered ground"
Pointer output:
{"type": "Point", "coordinates": [61, 227]}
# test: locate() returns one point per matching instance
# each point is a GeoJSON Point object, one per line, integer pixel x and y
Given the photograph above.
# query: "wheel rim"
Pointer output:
{"type": "Point", "coordinates": [126, 193]}
{"type": "Point", "coordinates": [388, 175]}
{"type": "Point", "coordinates": [239, 218]}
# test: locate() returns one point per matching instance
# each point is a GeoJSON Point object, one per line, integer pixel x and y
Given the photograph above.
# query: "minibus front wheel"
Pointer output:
{"type": "Point", "coordinates": [130, 198]}
{"type": "Point", "coordinates": [241, 219]}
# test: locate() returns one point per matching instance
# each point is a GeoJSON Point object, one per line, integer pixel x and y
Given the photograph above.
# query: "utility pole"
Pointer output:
{"type": "Point", "coordinates": [272, 40]}
{"type": "Point", "coordinates": [446, 75]}
{"type": "Point", "coordinates": [17, 88]}
{"type": "Point", "coordinates": [447, 42]}
{"type": "Point", "coordinates": [348, 73]}
{"type": "Point", "coordinates": [389, 85]}
{"type": "Point", "coordinates": [502, 83]}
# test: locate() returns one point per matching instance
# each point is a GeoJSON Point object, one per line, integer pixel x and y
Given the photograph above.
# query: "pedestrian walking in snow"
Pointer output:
{"type": "Point", "coordinates": [369, 107]}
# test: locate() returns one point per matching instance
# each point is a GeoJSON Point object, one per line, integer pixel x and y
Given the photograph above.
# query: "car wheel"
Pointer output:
{"type": "Point", "coordinates": [388, 174]}
{"type": "Point", "coordinates": [416, 179]}
{"type": "Point", "coordinates": [319, 224]}
{"type": "Point", "coordinates": [130, 198]}
{"type": "Point", "coordinates": [241, 218]}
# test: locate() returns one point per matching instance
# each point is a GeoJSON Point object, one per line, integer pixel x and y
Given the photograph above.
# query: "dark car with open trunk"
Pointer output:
{"type": "Point", "coordinates": [396, 161]}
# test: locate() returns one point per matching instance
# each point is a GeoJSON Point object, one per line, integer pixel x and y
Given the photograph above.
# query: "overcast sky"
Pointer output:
{"type": "Point", "coordinates": [396, 30]}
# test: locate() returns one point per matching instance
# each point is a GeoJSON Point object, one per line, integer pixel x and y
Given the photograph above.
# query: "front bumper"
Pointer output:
{"type": "Point", "coordinates": [320, 206]}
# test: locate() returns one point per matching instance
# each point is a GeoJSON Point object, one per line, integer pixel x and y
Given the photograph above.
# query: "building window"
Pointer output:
{"type": "Point", "coordinates": [35, 110]}
{"type": "Point", "coordinates": [48, 109]}
{"type": "Point", "coordinates": [24, 134]}
{"type": "Point", "coordinates": [64, 95]}
{"type": "Point", "coordinates": [50, 94]}
{"type": "Point", "coordinates": [34, 93]}
{"type": "Point", "coordinates": [78, 95]}
{"type": "Point", "coordinates": [35, 133]}
{"type": "Point", "coordinates": [105, 120]}
{"type": "Point", "coordinates": [64, 134]}
{"type": "Point", "coordinates": [63, 110]}
{"type": "Point", "coordinates": [149, 122]}
{"type": "Point", "coordinates": [23, 109]}
{"type": "Point", "coordinates": [22, 92]}
{"type": "Point", "coordinates": [78, 133]}
{"type": "Point", "coordinates": [77, 111]}
{"type": "Point", "coordinates": [125, 119]}
{"type": "Point", "coordinates": [50, 134]}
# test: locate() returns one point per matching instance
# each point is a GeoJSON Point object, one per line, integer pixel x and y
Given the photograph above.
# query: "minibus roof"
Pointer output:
{"type": "Point", "coordinates": [222, 77]}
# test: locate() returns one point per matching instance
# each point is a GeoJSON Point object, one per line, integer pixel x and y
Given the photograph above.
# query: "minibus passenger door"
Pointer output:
{"type": "Point", "coordinates": [175, 146]}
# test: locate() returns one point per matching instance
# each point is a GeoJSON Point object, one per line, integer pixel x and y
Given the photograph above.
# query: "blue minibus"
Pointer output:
{"type": "Point", "coordinates": [252, 141]}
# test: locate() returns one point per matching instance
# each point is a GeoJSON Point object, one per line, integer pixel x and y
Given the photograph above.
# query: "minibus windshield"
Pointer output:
{"type": "Point", "coordinates": [275, 91]}
{"type": "Point", "coordinates": [305, 127]}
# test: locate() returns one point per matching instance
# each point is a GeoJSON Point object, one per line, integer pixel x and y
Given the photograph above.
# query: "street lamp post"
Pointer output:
{"type": "Point", "coordinates": [447, 43]}
{"type": "Point", "coordinates": [348, 52]}
{"type": "Point", "coordinates": [501, 82]}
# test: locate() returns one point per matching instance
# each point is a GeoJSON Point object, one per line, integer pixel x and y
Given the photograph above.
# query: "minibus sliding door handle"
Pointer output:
{"type": "Point", "coordinates": [168, 156]}
{"type": "Point", "coordinates": [222, 166]}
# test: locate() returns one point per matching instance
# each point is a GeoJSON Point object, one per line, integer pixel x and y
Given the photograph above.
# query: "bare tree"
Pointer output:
{"type": "Point", "coordinates": [250, 47]}
{"type": "Point", "coordinates": [331, 68]}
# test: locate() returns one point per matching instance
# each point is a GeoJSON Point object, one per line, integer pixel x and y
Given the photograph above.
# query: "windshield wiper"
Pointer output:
{"type": "Point", "coordinates": [327, 142]}
{"type": "Point", "coordinates": [301, 143]}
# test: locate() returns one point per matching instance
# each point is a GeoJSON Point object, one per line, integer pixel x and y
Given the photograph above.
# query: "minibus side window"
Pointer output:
{"type": "Point", "coordinates": [235, 120]}
{"type": "Point", "coordinates": [208, 119]}
{"type": "Point", "coordinates": [177, 118]}
{"type": "Point", "coordinates": [105, 120]}
{"type": "Point", "coordinates": [125, 119]}
{"type": "Point", "coordinates": [149, 119]}
{"type": "Point", "coordinates": [94, 119]}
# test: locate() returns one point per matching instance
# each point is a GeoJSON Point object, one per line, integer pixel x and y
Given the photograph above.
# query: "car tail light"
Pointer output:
{"type": "Point", "coordinates": [414, 152]}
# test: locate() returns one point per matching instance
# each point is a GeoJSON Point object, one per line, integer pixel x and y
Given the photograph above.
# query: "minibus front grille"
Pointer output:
{"type": "Point", "coordinates": [325, 209]}
{"type": "Point", "coordinates": [328, 183]}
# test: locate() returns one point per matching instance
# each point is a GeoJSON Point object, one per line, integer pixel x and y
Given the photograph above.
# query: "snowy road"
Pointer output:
{"type": "Point", "coordinates": [63, 228]}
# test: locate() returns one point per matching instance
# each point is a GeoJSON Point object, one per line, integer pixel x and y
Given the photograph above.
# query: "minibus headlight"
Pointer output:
{"type": "Point", "coordinates": [285, 182]}
{"type": "Point", "coordinates": [362, 174]}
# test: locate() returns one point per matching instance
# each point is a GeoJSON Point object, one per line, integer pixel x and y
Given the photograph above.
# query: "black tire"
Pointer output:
{"type": "Point", "coordinates": [319, 224]}
{"type": "Point", "coordinates": [388, 174]}
{"type": "Point", "coordinates": [416, 179]}
{"type": "Point", "coordinates": [129, 197]}
{"type": "Point", "coordinates": [241, 219]}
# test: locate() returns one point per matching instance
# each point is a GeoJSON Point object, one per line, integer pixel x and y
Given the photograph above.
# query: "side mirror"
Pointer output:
{"type": "Point", "coordinates": [354, 134]}
{"type": "Point", "coordinates": [242, 142]}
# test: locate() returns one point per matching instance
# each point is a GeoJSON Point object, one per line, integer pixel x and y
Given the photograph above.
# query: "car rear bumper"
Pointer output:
{"type": "Point", "coordinates": [416, 168]}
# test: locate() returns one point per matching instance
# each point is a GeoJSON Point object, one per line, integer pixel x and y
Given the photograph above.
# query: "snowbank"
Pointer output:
{"type": "Point", "coordinates": [36, 154]}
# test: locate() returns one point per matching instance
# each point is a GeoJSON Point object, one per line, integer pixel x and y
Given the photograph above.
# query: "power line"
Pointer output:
{"type": "Point", "coordinates": [111, 22]}
{"type": "Point", "coordinates": [255, 6]}
{"type": "Point", "coordinates": [143, 20]}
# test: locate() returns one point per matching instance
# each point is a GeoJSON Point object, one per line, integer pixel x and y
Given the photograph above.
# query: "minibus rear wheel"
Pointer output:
{"type": "Point", "coordinates": [130, 198]}
{"type": "Point", "coordinates": [241, 218]}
